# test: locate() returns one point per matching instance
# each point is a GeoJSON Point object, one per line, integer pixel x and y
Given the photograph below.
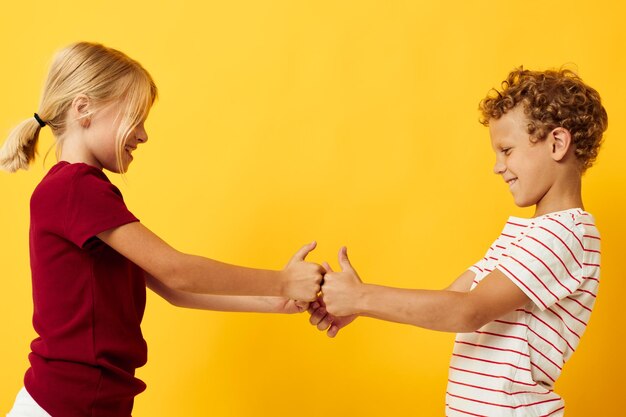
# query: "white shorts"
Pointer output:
{"type": "Point", "coordinates": [25, 406]}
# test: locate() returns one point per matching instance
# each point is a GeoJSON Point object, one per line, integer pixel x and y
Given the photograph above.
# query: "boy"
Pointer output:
{"type": "Point", "coordinates": [521, 310]}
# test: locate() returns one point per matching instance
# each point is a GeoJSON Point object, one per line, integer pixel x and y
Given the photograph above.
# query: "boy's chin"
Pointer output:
{"type": "Point", "coordinates": [522, 203]}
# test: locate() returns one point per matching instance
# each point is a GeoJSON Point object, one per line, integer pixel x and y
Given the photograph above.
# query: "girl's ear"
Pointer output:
{"type": "Point", "coordinates": [81, 107]}
{"type": "Point", "coordinates": [561, 141]}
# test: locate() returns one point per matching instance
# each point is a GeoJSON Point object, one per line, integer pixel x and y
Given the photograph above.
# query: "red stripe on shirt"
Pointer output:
{"type": "Point", "coordinates": [569, 230]}
{"type": "Point", "coordinates": [534, 332]}
{"type": "Point", "coordinates": [492, 347]}
{"type": "Point", "coordinates": [579, 303]}
{"type": "Point", "coordinates": [544, 372]}
{"type": "Point", "coordinates": [517, 224]}
{"type": "Point", "coordinates": [552, 412]}
{"type": "Point", "coordinates": [498, 390]}
{"type": "Point", "coordinates": [524, 285]}
{"type": "Point", "coordinates": [546, 266]}
{"type": "Point", "coordinates": [592, 278]}
{"type": "Point", "coordinates": [495, 376]}
{"type": "Point", "coordinates": [545, 357]}
{"type": "Point", "coordinates": [548, 326]}
{"type": "Point", "coordinates": [564, 323]}
{"type": "Point", "coordinates": [537, 278]}
{"type": "Point", "coordinates": [466, 412]}
{"type": "Point", "coordinates": [588, 292]}
{"type": "Point", "coordinates": [557, 257]}
{"type": "Point", "coordinates": [488, 361]}
{"type": "Point", "coordinates": [571, 315]}
{"type": "Point", "coordinates": [514, 407]}
{"type": "Point", "coordinates": [564, 244]}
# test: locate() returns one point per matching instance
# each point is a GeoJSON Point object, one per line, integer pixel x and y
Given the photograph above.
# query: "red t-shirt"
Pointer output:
{"type": "Point", "coordinates": [88, 299]}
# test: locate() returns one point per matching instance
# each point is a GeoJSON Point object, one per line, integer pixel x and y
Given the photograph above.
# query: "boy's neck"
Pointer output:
{"type": "Point", "coordinates": [563, 195]}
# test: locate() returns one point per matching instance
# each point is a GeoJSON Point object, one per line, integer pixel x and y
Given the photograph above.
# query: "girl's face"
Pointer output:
{"type": "Point", "coordinates": [526, 166]}
{"type": "Point", "coordinates": [101, 140]}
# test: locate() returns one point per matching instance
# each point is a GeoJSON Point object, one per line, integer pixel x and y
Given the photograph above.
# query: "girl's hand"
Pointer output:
{"type": "Point", "coordinates": [302, 279]}
{"type": "Point", "coordinates": [341, 289]}
{"type": "Point", "coordinates": [292, 306]}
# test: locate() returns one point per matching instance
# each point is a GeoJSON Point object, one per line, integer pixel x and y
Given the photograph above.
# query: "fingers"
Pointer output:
{"type": "Point", "coordinates": [325, 322]}
{"type": "Point", "coordinates": [302, 253]}
{"type": "Point", "coordinates": [332, 332]}
{"type": "Point", "coordinates": [318, 313]}
{"type": "Point", "coordinates": [344, 262]}
{"type": "Point", "coordinates": [327, 267]}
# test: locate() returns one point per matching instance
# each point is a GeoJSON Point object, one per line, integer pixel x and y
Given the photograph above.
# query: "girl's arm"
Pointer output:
{"type": "Point", "coordinates": [444, 310]}
{"type": "Point", "coordinates": [299, 280]}
{"type": "Point", "coordinates": [240, 303]}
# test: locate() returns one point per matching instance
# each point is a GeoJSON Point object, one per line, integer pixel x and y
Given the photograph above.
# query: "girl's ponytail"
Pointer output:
{"type": "Point", "coordinates": [20, 147]}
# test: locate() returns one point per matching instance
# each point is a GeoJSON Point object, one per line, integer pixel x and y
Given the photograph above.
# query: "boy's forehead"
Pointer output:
{"type": "Point", "coordinates": [510, 124]}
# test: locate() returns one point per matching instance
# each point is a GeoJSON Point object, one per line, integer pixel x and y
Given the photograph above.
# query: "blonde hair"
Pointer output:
{"type": "Point", "coordinates": [104, 75]}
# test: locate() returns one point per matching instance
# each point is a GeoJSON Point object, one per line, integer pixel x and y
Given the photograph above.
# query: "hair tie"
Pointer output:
{"type": "Point", "coordinates": [41, 122]}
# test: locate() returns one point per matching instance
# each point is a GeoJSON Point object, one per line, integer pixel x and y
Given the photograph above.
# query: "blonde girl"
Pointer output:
{"type": "Point", "coordinates": [91, 259]}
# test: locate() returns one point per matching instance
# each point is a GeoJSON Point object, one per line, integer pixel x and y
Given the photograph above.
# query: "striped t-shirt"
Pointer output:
{"type": "Point", "coordinates": [509, 366]}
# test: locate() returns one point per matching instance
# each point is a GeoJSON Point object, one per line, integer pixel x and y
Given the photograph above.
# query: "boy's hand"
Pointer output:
{"type": "Point", "coordinates": [323, 320]}
{"type": "Point", "coordinates": [302, 279]}
{"type": "Point", "coordinates": [341, 289]}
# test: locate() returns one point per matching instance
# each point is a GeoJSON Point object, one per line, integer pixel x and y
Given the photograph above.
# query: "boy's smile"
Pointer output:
{"type": "Point", "coordinates": [526, 166]}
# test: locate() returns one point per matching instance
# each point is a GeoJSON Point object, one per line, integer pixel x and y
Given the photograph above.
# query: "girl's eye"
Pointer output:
{"type": "Point", "coordinates": [506, 151]}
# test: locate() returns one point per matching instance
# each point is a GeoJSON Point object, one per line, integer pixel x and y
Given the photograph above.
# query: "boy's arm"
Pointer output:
{"type": "Point", "coordinates": [445, 310]}
{"type": "Point", "coordinates": [323, 320]}
{"type": "Point", "coordinates": [463, 283]}
{"type": "Point", "coordinates": [233, 303]}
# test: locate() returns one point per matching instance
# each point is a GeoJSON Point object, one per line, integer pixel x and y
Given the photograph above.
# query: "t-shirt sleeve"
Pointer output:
{"type": "Point", "coordinates": [479, 267]}
{"type": "Point", "coordinates": [94, 206]}
{"type": "Point", "coordinates": [547, 262]}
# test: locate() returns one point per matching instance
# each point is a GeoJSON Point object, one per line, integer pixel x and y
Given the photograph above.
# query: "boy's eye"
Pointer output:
{"type": "Point", "coordinates": [506, 151]}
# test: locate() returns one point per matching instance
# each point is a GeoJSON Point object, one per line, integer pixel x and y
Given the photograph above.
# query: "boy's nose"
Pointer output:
{"type": "Point", "coordinates": [499, 168]}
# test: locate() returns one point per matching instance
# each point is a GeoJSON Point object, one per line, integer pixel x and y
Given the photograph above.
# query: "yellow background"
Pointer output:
{"type": "Point", "coordinates": [348, 122]}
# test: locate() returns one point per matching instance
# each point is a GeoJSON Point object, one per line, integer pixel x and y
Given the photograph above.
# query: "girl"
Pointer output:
{"type": "Point", "coordinates": [91, 259]}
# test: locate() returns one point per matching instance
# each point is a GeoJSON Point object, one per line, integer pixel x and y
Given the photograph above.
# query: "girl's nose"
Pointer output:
{"type": "Point", "coordinates": [141, 134]}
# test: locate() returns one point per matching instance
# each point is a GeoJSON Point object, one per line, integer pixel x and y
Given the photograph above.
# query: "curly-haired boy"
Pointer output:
{"type": "Point", "coordinates": [521, 310]}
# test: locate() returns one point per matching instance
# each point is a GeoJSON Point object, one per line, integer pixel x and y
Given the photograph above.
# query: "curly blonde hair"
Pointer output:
{"type": "Point", "coordinates": [551, 99]}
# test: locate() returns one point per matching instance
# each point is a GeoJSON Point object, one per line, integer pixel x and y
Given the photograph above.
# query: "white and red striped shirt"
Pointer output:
{"type": "Point", "coordinates": [509, 366]}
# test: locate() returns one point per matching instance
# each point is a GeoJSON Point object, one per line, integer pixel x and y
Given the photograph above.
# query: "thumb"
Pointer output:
{"type": "Point", "coordinates": [304, 251]}
{"type": "Point", "coordinates": [344, 262]}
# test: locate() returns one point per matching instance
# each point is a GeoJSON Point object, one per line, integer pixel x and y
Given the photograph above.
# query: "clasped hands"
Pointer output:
{"type": "Point", "coordinates": [332, 298]}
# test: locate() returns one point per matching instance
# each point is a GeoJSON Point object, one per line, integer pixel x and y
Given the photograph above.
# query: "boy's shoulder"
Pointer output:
{"type": "Point", "coordinates": [562, 229]}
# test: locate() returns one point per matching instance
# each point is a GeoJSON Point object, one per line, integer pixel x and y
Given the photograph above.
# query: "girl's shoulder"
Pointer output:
{"type": "Point", "coordinates": [66, 179]}
{"type": "Point", "coordinates": [64, 176]}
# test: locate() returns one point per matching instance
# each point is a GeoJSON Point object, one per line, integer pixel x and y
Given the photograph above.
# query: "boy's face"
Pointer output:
{"type": "Point", "coordinates": [527, 167]}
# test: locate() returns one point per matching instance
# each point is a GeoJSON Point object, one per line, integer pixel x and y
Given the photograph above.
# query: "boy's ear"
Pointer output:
{"type": "Point", "coordinates": [561, 141]}
{"type": "Point", "coordinates": [81, 106]}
